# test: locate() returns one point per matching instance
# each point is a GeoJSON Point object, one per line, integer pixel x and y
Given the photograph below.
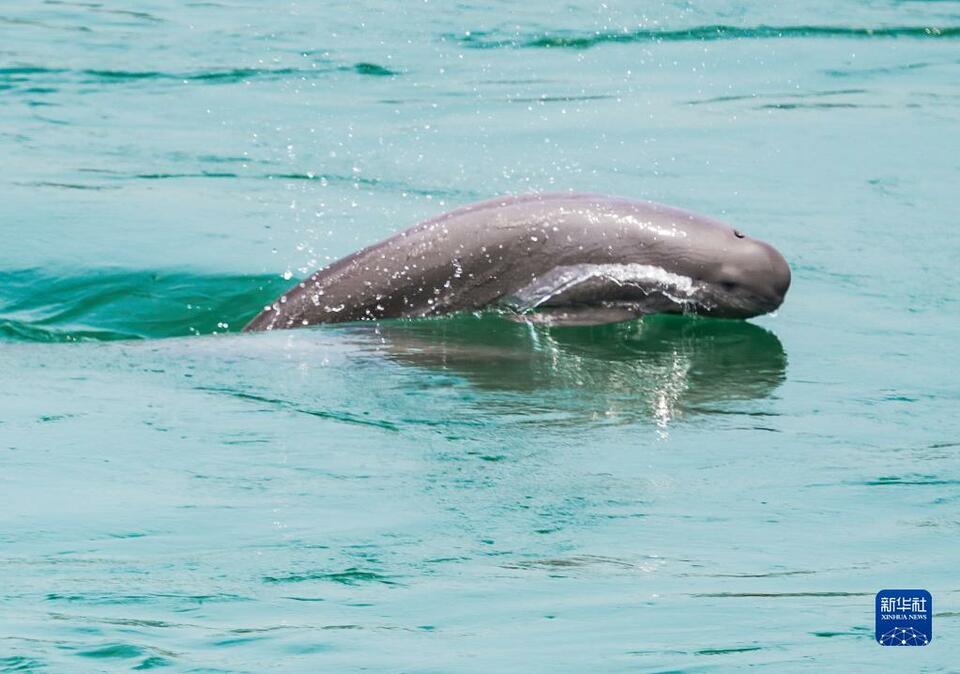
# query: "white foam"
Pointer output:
{"type": "Point", "coordinates": [648, 277]}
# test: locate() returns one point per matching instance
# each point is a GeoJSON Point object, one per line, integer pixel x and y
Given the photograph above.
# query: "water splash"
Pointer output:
{"type": "Point", "coordinates": [648, 278]}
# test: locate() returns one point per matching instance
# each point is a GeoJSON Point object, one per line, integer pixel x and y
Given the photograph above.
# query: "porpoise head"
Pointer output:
{"type": "Point", "coordinates": [724, 272]}
{"type": "Point", "coordinates": [738, 276]}
{"type": "Point", "coordinates": [671, 261]}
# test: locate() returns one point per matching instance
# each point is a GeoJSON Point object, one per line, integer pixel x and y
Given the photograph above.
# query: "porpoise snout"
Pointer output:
{"type": "Point", "coordinates": [777, 279]}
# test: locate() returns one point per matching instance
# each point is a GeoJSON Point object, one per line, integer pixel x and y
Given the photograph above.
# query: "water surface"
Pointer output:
{"type": "Point", "coordinates": [470, 494]}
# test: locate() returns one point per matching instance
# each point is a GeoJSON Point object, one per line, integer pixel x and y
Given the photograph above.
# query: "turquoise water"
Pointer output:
{"type": "Point", "coordinates": [469, 494]}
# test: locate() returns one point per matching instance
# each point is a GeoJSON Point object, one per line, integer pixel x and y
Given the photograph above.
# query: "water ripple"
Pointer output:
{"type": "Point", "coordinates": [585, 40]}
{"type": "Point", "coordinates": [25, 73]}
{"type": "Point", "coordinates": [351, 576]}
{"type": "Point", "coordinates": [342, 416]}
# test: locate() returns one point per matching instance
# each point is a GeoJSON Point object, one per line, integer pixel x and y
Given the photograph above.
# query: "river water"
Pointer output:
{"type": "Point", "coordinates": [471, 494]}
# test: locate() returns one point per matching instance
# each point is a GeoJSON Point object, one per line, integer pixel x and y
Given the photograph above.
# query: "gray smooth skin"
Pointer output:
{"type": "Point", "coordinates": [493, 252]}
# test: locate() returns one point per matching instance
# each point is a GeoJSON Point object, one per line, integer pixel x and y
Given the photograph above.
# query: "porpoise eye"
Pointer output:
{"type": "Point", "coordinates": [729, 286]}
{"type": "Point", "coordinates": [737, 233]}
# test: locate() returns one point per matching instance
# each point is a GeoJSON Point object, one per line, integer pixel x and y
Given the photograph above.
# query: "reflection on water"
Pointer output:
{"type": "Point", "coordinates": [660, 367]}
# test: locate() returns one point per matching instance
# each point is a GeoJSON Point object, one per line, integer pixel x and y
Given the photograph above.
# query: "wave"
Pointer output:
{"type": "Point", "coordinates": [758, 97]}
{"type": "Point", "coordinates": [109, 304]}
{"type": "Point", "coordinates": [11, 76]}
{"type": "Point", "coordinates": [585, 40]}
{"type": "Point", "coordinates": [111, 180]}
